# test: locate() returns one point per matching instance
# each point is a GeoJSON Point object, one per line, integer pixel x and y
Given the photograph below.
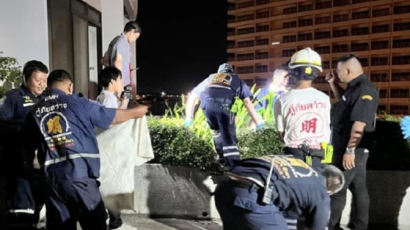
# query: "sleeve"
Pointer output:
{"type": "Point", "coordinates": [33, 137]}
{"type": "Point", "coordinates": [365, 107]}
{"type": "Point", "coordinates": [99, 115]}
{"type": "Point", "coordinates": [109, 102]}
{"type": "Point", "coordinates": [202, 86]}
{"type": "Point", "coordinates": [7, 108]}
{"type": "Point", "coordinates": [279, 116]}
{"type": "Point", "coordinates": [319, 217]}
{"type": "Point", "coordinates": [245, 91]}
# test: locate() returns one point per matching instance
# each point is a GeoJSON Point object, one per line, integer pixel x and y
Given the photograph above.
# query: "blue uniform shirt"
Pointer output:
{"type": "Point", "coordinates": [65, 128]}
{"type": "Point", "coordinates": [16, 104]}
{"type": "Point", "coordinates": [299, 187]}
{"type": "Point", "coordinates": [226, 86]}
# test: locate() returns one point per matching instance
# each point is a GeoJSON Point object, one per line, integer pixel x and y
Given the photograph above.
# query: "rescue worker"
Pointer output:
{"type": "Point", "coordinates": [23, 212]}
{"type": "Point", "coordinates": [61, 127]}
{"type": "Point", "coordinates": [303, 114]}
{"type": "Point", "coordinates": [217, 94]}
{"type": "Point", "coordinates": [353, 116]}
{"type": "Point", "coordinates": [258, 190]}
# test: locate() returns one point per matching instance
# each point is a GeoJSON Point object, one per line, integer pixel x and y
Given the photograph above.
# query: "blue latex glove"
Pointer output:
{"type": "Point", "coordinates": [405, 126]}
{"type": "Point", "coordinates": [259, 126]}
{"type": "Point", "coordinates": [188, 122]}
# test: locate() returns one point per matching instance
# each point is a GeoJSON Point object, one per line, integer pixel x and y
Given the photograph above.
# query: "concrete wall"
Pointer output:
{"type": "Point", "coordinates": [167, 191]}
{"type": "Point", "coordinates": [24, 30]}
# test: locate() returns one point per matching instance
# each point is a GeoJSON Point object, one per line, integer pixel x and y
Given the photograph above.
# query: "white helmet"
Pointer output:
{"type": "Point", "coordinates": [306, 58]}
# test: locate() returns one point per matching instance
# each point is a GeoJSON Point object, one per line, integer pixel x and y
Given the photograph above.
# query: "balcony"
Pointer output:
{"type": "Point", "coordinates": [322, 49]}
{"type": "Point", "coordinates": [261, 2]}
{"type": "Point", "coordinates": [340, 48]}
{"type": "Point", "coordinates": [399, 109]}
{"type": "Point", "coordinates": [322, 35]}
{"type": "Point", "coordinates": [245, 44]}
{"type": "Point", "coordinates": [376, 45]}
{"type": "Point", "coordinates": [262, 28]}
{"type": "Point", "coordinates": [360, 31]}
{"type": "Point", "coordinates": [399, 93]}
{"type": "Point", "coordinates": [289, 38]}
{"type": "Point", "coordinates": [375, 61]}
{"type": "Point", "coordinates": [341, 2]}
{"type": "Point", "coordinates": [262, 14]}
{"type": "Point", "coordinates": [359, 47]}
{"type": "Point", "coordinates": [244, 4]}
{"type": "Point", "coordinates": [380, 12]}
{"type": "Point", "coordinates": [359, 1]}
{"type": "Point", "coordinates": [290, 10]}
{"type": "Point", "coordinates": [401, 26]}
{"type": "Point", "coordinates": [245, 57]}
{"type": "Point", "coordinates": [245, 17]}
{"type": "Point", "coordinates": [401, 60]}
{"type": "Point", "coordinates": [264, 55]}
{"type": "Point", "coordinates": [261, 69]}
{"type": "Point", "coordinates": [244, 69]}
{"type": "Point", "coordinates": [364, 61]}
{"type": "Point", "coordinates": [305, 37]}
{"type": "Point", "coordinates": [340, 33]}
{"type": "Point", "coordinates": [303, 8]}
{"type": "Point", "coordinates": [402, 43]}
{"type": "Point", "coordinates": [401, 76]}
{"type": "Point", "coordinates": [380, 28]}
{"type": "Point", "coordinates": [340, 18]}
{"type": "Point", "coordinates": [246, 30]}
{"type": "Point", "coordinates": [323, 5]}
{"type": "Point", "coordinates": [378, 77]}
{"type": "Point", "coordinates": [261, 42]}
{"type": "Point", "coordinates": [360, 15]}
{"type": "Point", "coordinates": [401, 9]}
{"type": "Point", "coordinates": [305, 22]}
{"type": "Point", "coordinates": [323, 20]}
{"type": "Point", "coordinates": [288, 53]}
{"type": "Point", "coordinates": [291, 24]}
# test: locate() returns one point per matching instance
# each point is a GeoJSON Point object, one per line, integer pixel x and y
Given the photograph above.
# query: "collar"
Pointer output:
{"type": "Point", "coordinates": [27, 91]}
{"type": "Point", "coordinates": [58, 92]}
{"type": "Point", "coordinates": [108, 92]}
{"type": "Point", "coordinates": [357, 80]}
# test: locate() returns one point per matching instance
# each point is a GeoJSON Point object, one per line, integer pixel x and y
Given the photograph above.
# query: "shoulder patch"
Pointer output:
{"type": "Point", "coordinates": [367, 97]}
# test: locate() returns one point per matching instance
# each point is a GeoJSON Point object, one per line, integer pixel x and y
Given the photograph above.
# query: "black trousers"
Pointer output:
{"type": "Point", "coordinates": [355, 181]}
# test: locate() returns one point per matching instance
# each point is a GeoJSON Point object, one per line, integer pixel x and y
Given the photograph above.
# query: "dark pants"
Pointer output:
{"type": "Point", "coordinates": [115, 219]}
{"type": "Point", "coordinates": [240, 209]}
{"type": "Point", "coordinates": [221, 120]}
{"type": "Point", "coordinates": [355, 181]}
{"type": "Point", "coordinates": [298, 153]}
{"type": "Point", "coordinates": [75, 200]}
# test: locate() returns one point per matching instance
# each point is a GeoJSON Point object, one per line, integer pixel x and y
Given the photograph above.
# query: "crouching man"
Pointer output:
{"type": "Point", "coordinates": [257, 191]}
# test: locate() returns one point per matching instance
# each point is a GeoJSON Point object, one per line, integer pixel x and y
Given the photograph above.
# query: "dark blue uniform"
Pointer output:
{"type": "Point", "coordinates": [14, 107]}
{"type": "Point", "coordinates": [216, 102]}
{"type": "Point", "coordinates": [359, 103]}
{"type": "Point", "coordinates": [295, 186]}
{"type": "Point", "coordinates": [63, 127]}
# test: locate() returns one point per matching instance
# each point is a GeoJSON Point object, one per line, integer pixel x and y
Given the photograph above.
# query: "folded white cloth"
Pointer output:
{"type": "Point", "coordinates": [122, 147]}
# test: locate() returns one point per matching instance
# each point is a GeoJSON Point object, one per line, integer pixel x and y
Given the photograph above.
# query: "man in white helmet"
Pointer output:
{"type": "Point", "coordinates": [303, 114]}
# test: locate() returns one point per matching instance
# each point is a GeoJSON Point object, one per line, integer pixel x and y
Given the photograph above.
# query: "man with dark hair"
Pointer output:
{"type": "Point", "coordinates": [353, 116]}
{"type": "Point", "coordinates": [119, 52]}
{"type": "Point", "coordinates": [112, 87]}
{"type": "Point", "coordinates": [14, 107]}
{"type": "Point", "coordinates": [257, 191]}
{"type": "Point", "coordinates": [217, 94]}
{"type": "Point", "coordinates": [61, 128]}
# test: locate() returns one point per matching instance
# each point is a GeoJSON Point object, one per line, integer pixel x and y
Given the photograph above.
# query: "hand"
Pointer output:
{"type": "Point", "coordinates": [405, 126]}
{"type": "Point", "coordinates": [140, 110]}
{"type": "Point", "coordinates": [124, 103]}
{"type": "Point", "coordinates": [188, 122]}
{"type": "Point", "coordinates": [348, 161]}
{"type": "Point", "coordinates": [331, 77]}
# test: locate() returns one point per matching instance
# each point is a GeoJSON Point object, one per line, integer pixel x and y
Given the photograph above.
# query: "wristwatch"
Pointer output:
{"type": "Point", "coordinates": [350, 150]}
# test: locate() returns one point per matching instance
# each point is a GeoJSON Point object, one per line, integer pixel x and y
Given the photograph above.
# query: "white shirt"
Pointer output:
{"type": "Point", "coordinates": [108, 99]}
{"type": "Point", "coordinates": [304, 117]}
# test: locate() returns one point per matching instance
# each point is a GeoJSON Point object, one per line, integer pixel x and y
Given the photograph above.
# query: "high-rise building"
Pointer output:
{"type": "Point", "coordinates": [263, 34]}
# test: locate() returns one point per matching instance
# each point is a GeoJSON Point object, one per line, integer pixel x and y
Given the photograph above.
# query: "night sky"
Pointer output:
{"type": "Point", "coordinates": [182, 42]}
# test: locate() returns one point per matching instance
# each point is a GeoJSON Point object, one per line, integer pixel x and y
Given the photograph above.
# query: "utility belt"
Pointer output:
{"type": "Point", "coordinates": [266, 193]}
{"type": "Point", "coordinates": [325, 153]}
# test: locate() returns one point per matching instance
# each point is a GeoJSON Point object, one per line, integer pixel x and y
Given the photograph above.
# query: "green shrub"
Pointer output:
{"type": "Point", "coordinates": [176, 145]}
{"type": "Point", "coordinates": [259, 143]}
{"type": "Point", "coordinates": [10, 73]}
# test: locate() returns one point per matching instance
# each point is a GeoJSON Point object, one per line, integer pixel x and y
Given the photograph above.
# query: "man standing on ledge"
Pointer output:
{"type": "Point", "coordinates": [217, 94]}
{"type": "Point", "coordinates": [354, 115]}
{"type": "Point", "coordinates": [119, 52]}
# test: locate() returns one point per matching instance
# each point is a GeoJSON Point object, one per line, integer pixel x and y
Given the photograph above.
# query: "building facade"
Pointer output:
{"type": "Point", "coordinates": [263, 34]}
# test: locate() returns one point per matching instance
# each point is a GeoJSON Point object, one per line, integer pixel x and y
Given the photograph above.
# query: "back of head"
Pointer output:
{"type": "Point", "coordinates": [58, 76]}
{"type": "Point", "coordinates": [108, 74]}
{"type": "Point", "coordinates": [305, 64]}
{"type": "Point", "coordinates": [33, 66]}
{"type": "Point", "coordinates": [132, 25]}
{"type": "Point", "coordinates": [334, 178]}
{"type": "Point", "coordinates": [225, 68]}
{"type": "Point", "coordinates": [352, 63]}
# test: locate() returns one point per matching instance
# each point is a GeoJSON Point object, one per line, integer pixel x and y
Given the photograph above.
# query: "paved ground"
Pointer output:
{"type": "Point", "coordinates": [143, 223]}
